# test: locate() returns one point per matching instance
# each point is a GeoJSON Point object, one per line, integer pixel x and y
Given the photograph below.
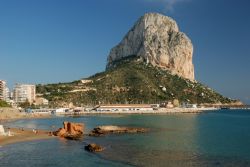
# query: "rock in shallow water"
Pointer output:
{"type": "Point", "coordinates": [94, 148]}
{"type": "Point", "coordinates": [110, 129]}
{"type": "Point", "coordinates": [72, 131]}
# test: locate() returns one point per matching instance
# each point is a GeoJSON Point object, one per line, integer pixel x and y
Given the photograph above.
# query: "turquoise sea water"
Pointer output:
{"type": "Point", "coordinates": [220, 138]}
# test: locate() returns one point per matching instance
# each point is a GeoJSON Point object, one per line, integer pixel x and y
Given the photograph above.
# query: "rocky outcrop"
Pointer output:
{"type": "Point", "coordinates": [94, 148]}
{"type": "Point", "coordinates": [110, 129]}
{"type": "Point", "coordinates": [156, 39]}
{"type": "Point", "coordinates": [70, 130]}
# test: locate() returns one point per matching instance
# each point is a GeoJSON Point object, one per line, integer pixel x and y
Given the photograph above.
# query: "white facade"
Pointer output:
{"type": "Point", "coordinates": [2, 86]}
{"type": "Point", "coordinates": [6, 94]}
{"type": "Point", "coordinates": [4, 91]}
{"type": "Point", "coordinates": [125, 107]}
{"type": "Point", "coordinates": [187, 105]}
{"type": "Point", "coordinates": [24, 92]}
{"type": "Point", "coordinates": [61, 110]}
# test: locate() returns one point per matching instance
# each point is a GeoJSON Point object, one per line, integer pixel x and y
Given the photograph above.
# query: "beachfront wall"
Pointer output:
{"type": "Point", "coordinates": [45, 110]}
{"type": "Point", "coordinates": [125, 107]}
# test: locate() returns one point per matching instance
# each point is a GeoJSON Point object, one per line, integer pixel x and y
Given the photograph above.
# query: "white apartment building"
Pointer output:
{"type": "Point", "coordinates": [24, 92]}
{"type": "Point", "coordinates": [4, 91]}
{"type": "Point", "coordinates": [2, 87]}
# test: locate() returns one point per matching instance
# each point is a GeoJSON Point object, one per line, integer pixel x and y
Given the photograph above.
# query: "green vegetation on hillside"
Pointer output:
{"type": "Point", "coordinates": [130, 81]}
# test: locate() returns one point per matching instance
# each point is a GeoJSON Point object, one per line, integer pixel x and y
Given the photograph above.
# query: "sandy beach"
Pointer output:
{"type": "Point", "coordinates": [21, 135]}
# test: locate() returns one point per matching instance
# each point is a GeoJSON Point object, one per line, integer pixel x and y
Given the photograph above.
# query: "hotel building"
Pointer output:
{"type": "Point", "coordinates": [4, 91]}
{"type": "Point", "coordinates": [24, 92]}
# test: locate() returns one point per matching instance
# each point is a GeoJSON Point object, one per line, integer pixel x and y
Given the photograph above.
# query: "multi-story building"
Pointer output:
{"type": "Point", "coordinates": [6, 95]}
{"type": "Point", "coordinates": [24, 92]}
{"type": "Point", "coordinates": [4, 91]}
{"type": "Point", "coordinates": [2, 87]}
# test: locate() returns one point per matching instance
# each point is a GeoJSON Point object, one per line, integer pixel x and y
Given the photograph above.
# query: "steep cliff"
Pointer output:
{"type": "Point", "coordinates": [157, 40]}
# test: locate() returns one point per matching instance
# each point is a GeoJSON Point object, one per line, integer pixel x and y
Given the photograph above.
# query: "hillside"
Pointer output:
{"type": "Point", "coordinates": [130, 81]}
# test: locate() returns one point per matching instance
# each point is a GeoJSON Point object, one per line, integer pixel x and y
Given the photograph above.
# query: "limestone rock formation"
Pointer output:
{"type": "Point", "coordinates": [70, 130]}
{"type": "Point", "coordinates": [157, 40]}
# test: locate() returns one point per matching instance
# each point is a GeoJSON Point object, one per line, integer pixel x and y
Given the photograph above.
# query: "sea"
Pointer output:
{"type": "Point", "coordinates": [218, 138]}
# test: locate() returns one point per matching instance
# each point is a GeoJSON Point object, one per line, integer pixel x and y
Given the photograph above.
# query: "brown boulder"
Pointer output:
{"type": "Point", "coordinates": [94, 148]}
{"type": "Point", "coordinates": [70, 130]}
{"type": "Point", "coordinates": [60, 132]}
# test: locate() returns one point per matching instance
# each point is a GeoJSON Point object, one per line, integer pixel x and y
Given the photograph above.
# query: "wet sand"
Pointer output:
{"type": "Point", "coordinates": [22, 135]}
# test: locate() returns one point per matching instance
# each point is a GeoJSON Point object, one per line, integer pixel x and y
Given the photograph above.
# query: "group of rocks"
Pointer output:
{"type": "Point", "coordinates": [74, 131]}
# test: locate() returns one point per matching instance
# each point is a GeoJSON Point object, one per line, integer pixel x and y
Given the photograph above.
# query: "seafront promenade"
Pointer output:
{"type": "Point", "coordinates": [8, 114]}
{"type": "Point", "coordinates": [159, 111]}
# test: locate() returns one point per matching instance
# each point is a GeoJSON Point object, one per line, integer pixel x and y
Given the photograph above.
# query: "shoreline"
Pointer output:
{"type": "Point", "coordinates": [10, 114]}
{"type": "Point", "coordinates": [160, 111]}
{"type": "Point", "coordinates": [23, 135]}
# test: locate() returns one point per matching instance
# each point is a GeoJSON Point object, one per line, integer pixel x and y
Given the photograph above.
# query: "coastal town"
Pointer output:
{"type": "Point", "coordinates": [26, 93]}
{"type": "Point", "coordinates": [24, 99]}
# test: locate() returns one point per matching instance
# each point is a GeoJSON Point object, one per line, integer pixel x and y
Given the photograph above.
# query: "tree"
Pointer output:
{"type": "Point", "coordinates": [25, 104]}
{"type": "Point", "coordinates": [4, 104]}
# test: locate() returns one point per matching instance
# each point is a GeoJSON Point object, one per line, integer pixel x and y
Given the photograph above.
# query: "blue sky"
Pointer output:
{"type": "Point", "coordinates": [47, 41]}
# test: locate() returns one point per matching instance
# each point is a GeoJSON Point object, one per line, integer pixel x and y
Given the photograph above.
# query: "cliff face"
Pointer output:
{"type": "Point", "coordinates": [157, 40]}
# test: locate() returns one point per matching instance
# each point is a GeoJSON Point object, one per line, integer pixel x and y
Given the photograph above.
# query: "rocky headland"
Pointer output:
{"type": "Point", "coordinates": [157, 40]}
{"type": "Point", "coordinates": [153, 63]}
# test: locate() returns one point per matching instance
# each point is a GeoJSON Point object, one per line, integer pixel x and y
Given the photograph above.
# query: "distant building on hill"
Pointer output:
{"type": "Point", "coordinates": [24, 92]}
{"type": "Point", "coordinates": [125, 107]}
{"type": "Point", "coordinates": [41, 101]}
{"type": "Point", "coordinates": [187, 105]}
